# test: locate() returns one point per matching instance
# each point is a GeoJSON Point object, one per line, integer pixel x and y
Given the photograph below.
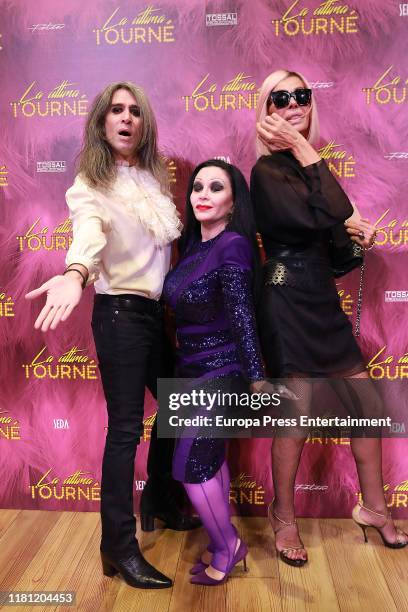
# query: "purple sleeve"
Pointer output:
{"type": "Point", "coordinates": [235, 278]}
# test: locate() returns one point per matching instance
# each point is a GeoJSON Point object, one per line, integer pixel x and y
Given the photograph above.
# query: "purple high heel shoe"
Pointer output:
{"type": "Point", "coordinates": [200, 566]}
{"type": "Point", "coordinates": [206, 580]}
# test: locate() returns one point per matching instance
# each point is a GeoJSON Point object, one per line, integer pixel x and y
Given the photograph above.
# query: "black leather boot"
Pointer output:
{"type": "Point", "coordinates": [135, 570]}
{"type": "Point", "coordinates": [160, 503]}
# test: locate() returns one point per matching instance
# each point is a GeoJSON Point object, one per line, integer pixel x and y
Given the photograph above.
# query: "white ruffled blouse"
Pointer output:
{"type": "Point", "coordinates": [123, 237]}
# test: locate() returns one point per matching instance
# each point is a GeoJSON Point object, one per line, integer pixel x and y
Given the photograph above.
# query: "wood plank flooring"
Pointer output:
{"type": "Point", "coordinates": [59, 551]}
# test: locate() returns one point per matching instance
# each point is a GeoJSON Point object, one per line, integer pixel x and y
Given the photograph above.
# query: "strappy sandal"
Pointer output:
{"type": "Point", "coordinates": [283, 554]}
{"type": "Point", "coordinates": [402, 538]}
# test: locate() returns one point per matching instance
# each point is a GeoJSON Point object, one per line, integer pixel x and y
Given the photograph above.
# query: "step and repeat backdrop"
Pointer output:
{"type": "Point", "coordinates": [201, 64]}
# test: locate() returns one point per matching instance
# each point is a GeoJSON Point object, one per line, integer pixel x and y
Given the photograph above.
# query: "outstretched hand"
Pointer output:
{"type": "Point", "coordinates": [63, 294]}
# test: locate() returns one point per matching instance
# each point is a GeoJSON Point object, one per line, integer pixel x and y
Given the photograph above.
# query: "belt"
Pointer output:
{"type": "Point", "coordinates": [128, 301]}
{"type": "Point", "coordinates": [314, 251]}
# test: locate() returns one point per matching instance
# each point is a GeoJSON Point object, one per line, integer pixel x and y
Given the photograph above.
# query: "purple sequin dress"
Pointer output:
{"type": "Point", "coordinates": [210, 293]}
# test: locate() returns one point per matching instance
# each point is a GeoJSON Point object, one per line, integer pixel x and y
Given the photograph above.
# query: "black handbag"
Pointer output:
{"type": "Point", "coordinates": [345, 255]}
{"type": "Point", "coordinates": [344, 259]}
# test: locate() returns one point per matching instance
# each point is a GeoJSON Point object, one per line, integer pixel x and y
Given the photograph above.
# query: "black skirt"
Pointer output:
{"type": "Point", "coordinates": [302, 327]}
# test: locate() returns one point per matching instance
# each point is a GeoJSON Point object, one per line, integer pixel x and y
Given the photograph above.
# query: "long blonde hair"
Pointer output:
{"type": "Point", "coordinates": [261, 110]}
{"type": "Point", "coordinates": [96, 162]}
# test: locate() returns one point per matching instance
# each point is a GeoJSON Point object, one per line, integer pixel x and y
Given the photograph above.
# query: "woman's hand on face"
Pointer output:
{"type": "Point", "coordinates": [361, 231]}
{"type": "Point", "coordinates": [63, 294]}
{"type": "Point", "coordinates": [277, 134]}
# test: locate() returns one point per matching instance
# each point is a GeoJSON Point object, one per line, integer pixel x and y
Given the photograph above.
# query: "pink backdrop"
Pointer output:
{"type": "Point", "coordinates": [201, 64]}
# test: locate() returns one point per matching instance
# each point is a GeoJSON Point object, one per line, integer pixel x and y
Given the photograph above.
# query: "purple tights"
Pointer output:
{"type": "Point", "coordinates": [211, 500]}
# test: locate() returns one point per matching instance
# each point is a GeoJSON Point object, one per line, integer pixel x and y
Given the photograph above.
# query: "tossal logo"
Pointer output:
{"type": "Point", "coordinates": [149, 26]}
{"type": "Point", "coordinates": [329, 17]}
{"type": "Point", "coordinates": [245, 490]}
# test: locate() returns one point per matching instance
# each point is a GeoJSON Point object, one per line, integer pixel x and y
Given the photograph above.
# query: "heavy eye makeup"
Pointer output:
{"type": "Point", "coordinates": [215, 186]}
{"type": "Point", "coordinates": [135, 110]}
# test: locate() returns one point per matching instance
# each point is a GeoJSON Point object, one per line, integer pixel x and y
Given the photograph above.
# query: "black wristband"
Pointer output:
{"type": "Point", "coordinates": [80, 273]}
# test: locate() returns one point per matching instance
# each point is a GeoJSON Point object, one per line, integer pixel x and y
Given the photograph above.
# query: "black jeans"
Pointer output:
{"type": "Point", "coordinates": [128, 333]}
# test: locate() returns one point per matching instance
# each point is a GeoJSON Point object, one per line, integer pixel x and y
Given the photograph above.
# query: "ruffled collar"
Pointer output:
{"type": "Point", "coordinates": [140, 193]}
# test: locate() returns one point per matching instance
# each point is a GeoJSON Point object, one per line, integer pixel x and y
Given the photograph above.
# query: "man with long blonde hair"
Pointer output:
{"type": "Point", "coordinates": [123, 225]}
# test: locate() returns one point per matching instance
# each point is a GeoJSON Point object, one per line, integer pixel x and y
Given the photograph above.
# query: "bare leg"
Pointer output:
{"type": "Point", "coordinates": [286, 453]}
{"type": "Point", "coordinates": [367, 454]}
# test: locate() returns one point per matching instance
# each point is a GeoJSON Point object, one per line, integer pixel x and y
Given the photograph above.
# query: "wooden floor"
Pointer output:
{"type": "Point", "coordinates": [59, 551]}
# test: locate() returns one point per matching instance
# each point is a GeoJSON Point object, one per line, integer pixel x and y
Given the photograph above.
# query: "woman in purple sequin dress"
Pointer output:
{"type": "Point", "coordinates": [211, 292]}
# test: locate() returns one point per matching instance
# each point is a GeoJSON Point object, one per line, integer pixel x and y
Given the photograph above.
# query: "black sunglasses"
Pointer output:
{"type": "Point", "coordinates": [281, 98]}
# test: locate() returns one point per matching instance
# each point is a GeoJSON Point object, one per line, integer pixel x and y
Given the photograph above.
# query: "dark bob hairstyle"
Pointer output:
{"type": "Point", "coordinates": [242, 219]}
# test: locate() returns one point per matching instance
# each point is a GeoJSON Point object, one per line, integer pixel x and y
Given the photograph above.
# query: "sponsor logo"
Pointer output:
{"type": "Point", "coordinates": [395, 296]}
{"type": "Point", "coordinates": [6, 305]}
{"type": "Point", "coordinates": [46, 26]}
{"type": "Point", "coordinates": [51, 166]}
{"type": "Point", "coordinates": [75, 487]}
{"type": "Point", "coordinates": [149, 26]}
{"type": "Point", "coordinates": [72, 365]}
{"type": "Point", "coordinates": [64, 99]}
{"type": "Point", "coordinates": [245, 490]}
{"type": "Point", "coordinates": [37, 237]}
{"type": "Point", "coordinates": [239, 92]}
{"type": "Point", "coordinates": [329, 17]}
{"type": "Point", "coordinates": [310, 487]}
{"type": "Point", "coordinates": [387, 89]}
{"type": "Point", "coordinates": [386, 366]}
{"type": "Point", "coordinates": [403, 8]}
{"type": "Point", "coordinates": [397, 155]}
{"type": "Point", "coordinates": [3, 176]}
{"type": "Point", "coordinates": [321, 84]}
{"type": "Point", "coordinates": [396, 427]}
{"type": "Point", "coordinates": [60, 423]}
{"type": "Point", "coordinates": [9, 427]}
{"type": "Point", "coordinates": [221, 19]}
{"type": "Point", "coordinates": [340, 162]}
{"type": "Point", "coordinates": [140, 485]}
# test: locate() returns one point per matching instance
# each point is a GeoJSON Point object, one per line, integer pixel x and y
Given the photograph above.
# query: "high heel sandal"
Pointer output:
{"type": "Point", "coordinates": [200, 566]}
{"type": "Point", "coordinates": [401, 537]}
{"type": "Point", "coordinates": [283, 553]}
{"type": "Point", "coordinates": [240, 555]}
